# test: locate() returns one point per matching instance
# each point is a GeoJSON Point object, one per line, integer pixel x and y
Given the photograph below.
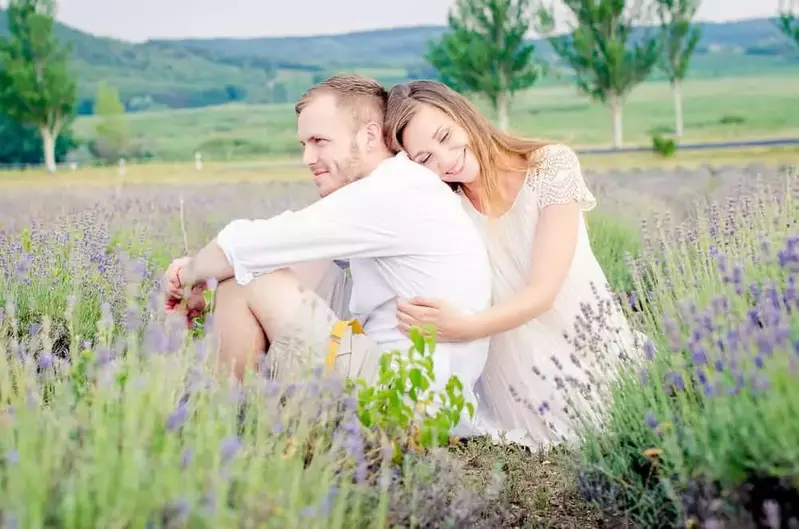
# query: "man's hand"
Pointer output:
{"type": "Point", "coordinates": [175, 294]}
{"type": "Point", "coordinates": [195, 303]}
{"type": "Point", "coordinates": [173, 283]}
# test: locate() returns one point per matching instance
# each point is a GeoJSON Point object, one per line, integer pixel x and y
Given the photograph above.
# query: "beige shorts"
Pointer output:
{"type": "Point", "coordinates": [304, 343]}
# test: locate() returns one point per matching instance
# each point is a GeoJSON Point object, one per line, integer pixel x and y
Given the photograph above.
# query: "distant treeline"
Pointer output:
{"type": "Point", "coordinates": [205, 72]}
{"type": "Point", "coordinates": [196, 73]}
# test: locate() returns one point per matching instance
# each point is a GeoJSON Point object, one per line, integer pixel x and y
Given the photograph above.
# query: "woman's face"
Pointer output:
{"type": "Point", "coordinates": [436, 141]}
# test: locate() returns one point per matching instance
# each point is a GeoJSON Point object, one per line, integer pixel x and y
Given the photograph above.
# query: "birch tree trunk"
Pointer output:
{"type": "Point", "coordinates": [48, 144]}
{"type": "Point", "coordinates": [615, 110]}
{"type": "Point", "coordinates": [503, 102]}
{"type": "Point", "coordinates": [678, 125]}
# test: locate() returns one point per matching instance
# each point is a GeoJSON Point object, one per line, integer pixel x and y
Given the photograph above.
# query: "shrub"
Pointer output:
{"type": "Point", "coordinates": [665, 147]}
{"type": "Point", "coordinates": [706, 421]}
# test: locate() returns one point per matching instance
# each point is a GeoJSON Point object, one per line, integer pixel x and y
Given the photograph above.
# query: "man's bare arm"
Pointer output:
{"type": "Point", "coordinates": [209, 263]}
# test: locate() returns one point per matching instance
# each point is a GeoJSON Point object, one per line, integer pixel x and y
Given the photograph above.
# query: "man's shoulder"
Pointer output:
{"type": "Point", "coordinates": [403, 172]}
{"type": "Point", "coordinates": [400, 163]}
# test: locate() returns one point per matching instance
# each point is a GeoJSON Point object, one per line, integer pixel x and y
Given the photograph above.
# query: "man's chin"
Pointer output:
{"type": "Point", "coordinates": [324, 190]}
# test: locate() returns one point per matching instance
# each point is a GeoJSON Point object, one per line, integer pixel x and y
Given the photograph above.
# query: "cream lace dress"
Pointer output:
{"type": "Point", "coordinates": [541, 376]}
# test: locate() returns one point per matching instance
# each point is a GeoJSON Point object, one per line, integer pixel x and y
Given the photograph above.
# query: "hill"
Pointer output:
{"type": "Point", "coordinates": [186, 73]}
{"type": "Point", "coordinates": [152, 75]}
{"type": "Point", "coordinates": [403, 47]}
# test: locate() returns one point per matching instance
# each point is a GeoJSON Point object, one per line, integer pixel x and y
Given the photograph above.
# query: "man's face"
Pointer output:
{"type": "Point", "coordinates": [332, 149]}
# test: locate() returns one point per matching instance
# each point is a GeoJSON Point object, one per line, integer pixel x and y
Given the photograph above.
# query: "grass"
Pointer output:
{"type": "Point", "coordinates": [714, 109]}
{"type": "Point", "coordinates": [289, 170]}
{"type": "Point", "coordinates": [112, 417]}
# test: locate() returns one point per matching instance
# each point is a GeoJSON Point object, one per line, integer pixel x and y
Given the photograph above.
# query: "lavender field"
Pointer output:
{"type": "Point", "coordinates": [110, 415]}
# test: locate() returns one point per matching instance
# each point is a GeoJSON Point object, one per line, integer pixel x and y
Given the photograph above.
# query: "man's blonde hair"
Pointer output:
{"type": "Point", "coordinates": [365, 97]}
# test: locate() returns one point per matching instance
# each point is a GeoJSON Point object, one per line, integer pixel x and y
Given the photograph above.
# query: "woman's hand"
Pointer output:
{"type": "Point", "coordinates": [451, 324]}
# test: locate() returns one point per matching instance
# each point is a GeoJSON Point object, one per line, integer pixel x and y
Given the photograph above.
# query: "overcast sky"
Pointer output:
{"type": "Point", "coordinates": [139, 20]}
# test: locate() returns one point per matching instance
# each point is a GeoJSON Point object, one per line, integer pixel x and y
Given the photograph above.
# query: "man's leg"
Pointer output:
{"type": "Point", "coordinates": [240, 337]}
{"type": "Point", "coordinates": [248, 318]}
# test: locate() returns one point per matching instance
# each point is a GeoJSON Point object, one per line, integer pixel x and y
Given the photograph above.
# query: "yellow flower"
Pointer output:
{"type": "Point", "coordinates": [652, 452]}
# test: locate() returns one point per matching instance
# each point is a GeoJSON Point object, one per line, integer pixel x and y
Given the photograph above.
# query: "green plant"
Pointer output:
{"type": "Point", "coordinates": [404, 404]}
{"type": "Point", "coordinates": [729, 119]}
{"type": "Point", "coordinates": [706, 413]}
{"type": "Point", "coordinates": [665, 147]}
{"type": "Point", "coordinates": [615, 244]}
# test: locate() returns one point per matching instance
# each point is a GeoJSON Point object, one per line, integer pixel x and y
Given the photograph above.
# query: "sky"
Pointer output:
{"type": "Point", "coordinates": [138, 20]}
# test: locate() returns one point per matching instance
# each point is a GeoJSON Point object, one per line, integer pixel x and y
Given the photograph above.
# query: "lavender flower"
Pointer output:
{"type": "Point", "coordinates": [229, 448]}
{"type": "Point", "coordinates": [177, 418]}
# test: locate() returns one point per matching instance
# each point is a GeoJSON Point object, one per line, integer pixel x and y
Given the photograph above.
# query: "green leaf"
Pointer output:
{"type": "Point", "coordinates": [416, 377]}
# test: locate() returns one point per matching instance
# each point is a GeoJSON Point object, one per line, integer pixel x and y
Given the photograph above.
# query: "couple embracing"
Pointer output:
{"type": "Point", "coordinates": [429, 215]}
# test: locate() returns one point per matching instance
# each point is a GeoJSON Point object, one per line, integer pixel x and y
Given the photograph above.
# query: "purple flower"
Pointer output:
{"type": "Point", "coordinates": [177, 418]}
{"type": "Point", "coordinates": [155, 340]}
{"type": "Point", "coordinates": [12, 457]}
{"type": "Point", "coordinates": [186, 457]}
{"type": "Point", "coordinates": [132, 319]}
{"type": "Point", "coordinates": [675, 380]}
{"type": "Point", "coordinates": [34, 329]}
{"type": "Point", "coordinates": [46, 360]}
{"type": "Point", "coordinates": [699, 355]}
{"type": "Point", "coordinates": [543, 408]}
{"type": "Point", "coordinates": [229, 448]}
{"type": "Point", "coordinates": [23, 267]}
{"type": "Point", "coordinates": [649, 350]}
{"type": "Point", "coordinates": [651, 421]}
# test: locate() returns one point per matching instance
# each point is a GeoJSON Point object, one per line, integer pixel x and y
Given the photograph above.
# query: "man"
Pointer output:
{"type": "Point", "coordinates": [404, 232]}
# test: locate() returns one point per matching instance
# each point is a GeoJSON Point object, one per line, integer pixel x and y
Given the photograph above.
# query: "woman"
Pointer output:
{"type": "Point", "coordinates": [555, 330]}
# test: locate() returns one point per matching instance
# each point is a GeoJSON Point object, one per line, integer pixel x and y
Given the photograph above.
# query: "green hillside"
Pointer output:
{"type": "Point", "coordinates": [192, 73]}
{"type": "Point", "coordinates": [153, 75]}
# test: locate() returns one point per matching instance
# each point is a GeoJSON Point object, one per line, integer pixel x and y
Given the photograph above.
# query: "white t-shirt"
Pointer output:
{"type": "Point", "coordinates": [405, 234]}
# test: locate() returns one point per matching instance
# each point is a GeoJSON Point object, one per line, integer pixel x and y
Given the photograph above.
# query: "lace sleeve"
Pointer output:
{"type": "Point", "coordinates": [557, 178]}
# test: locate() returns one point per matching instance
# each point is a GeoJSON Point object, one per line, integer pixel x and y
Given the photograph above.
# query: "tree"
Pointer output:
{"type": "Point", "coordinates": [486, 52]}
{"type": "Point", "coordinates": [112, 136]}
{"type": "Point", "coordinates": [788, 20]}
{"type": "Point", "coordinates": [36, 87]}
{"type": "Point", "coordinates": [679, 39]}
{"type": "Point", "coordinates": [608, 60]}
{"type": "Point", "coordinates": [20, 145]}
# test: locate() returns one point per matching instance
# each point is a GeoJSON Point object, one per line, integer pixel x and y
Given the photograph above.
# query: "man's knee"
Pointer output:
{"type": "Point", "coordinates": [227, 291]}
{"type": "Point", "coordinates": [270, 298]}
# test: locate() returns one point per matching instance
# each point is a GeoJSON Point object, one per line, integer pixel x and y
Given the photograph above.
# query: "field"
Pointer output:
{"type": "Point", "coordinates": [111, 417]}
{"type": "Point", "coordinates": [714, 109]}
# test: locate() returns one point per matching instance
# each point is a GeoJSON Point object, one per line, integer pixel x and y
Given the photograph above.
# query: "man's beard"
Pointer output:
{"type": "Point", "coordinates": [352, 169]}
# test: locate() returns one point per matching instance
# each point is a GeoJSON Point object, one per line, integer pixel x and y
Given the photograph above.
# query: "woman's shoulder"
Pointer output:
{"type": "Point", "coordinates": [552, 158]}
{"type": "Point", "coordinates": [556, 176]}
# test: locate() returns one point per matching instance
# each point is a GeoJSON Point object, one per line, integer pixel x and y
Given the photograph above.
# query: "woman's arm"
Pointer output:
{"type": "Point", "coordinates": [562, 196]}
{"type": "Point", "coordinates": [552, 253]}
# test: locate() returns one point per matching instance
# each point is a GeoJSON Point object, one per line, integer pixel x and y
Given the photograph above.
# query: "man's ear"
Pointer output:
{"type": "Point", "coordinates": [374, 136]}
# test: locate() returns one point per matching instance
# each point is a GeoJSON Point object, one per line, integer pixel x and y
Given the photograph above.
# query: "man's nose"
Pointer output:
{"type": "Point", "coordinates": [309, 156]}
